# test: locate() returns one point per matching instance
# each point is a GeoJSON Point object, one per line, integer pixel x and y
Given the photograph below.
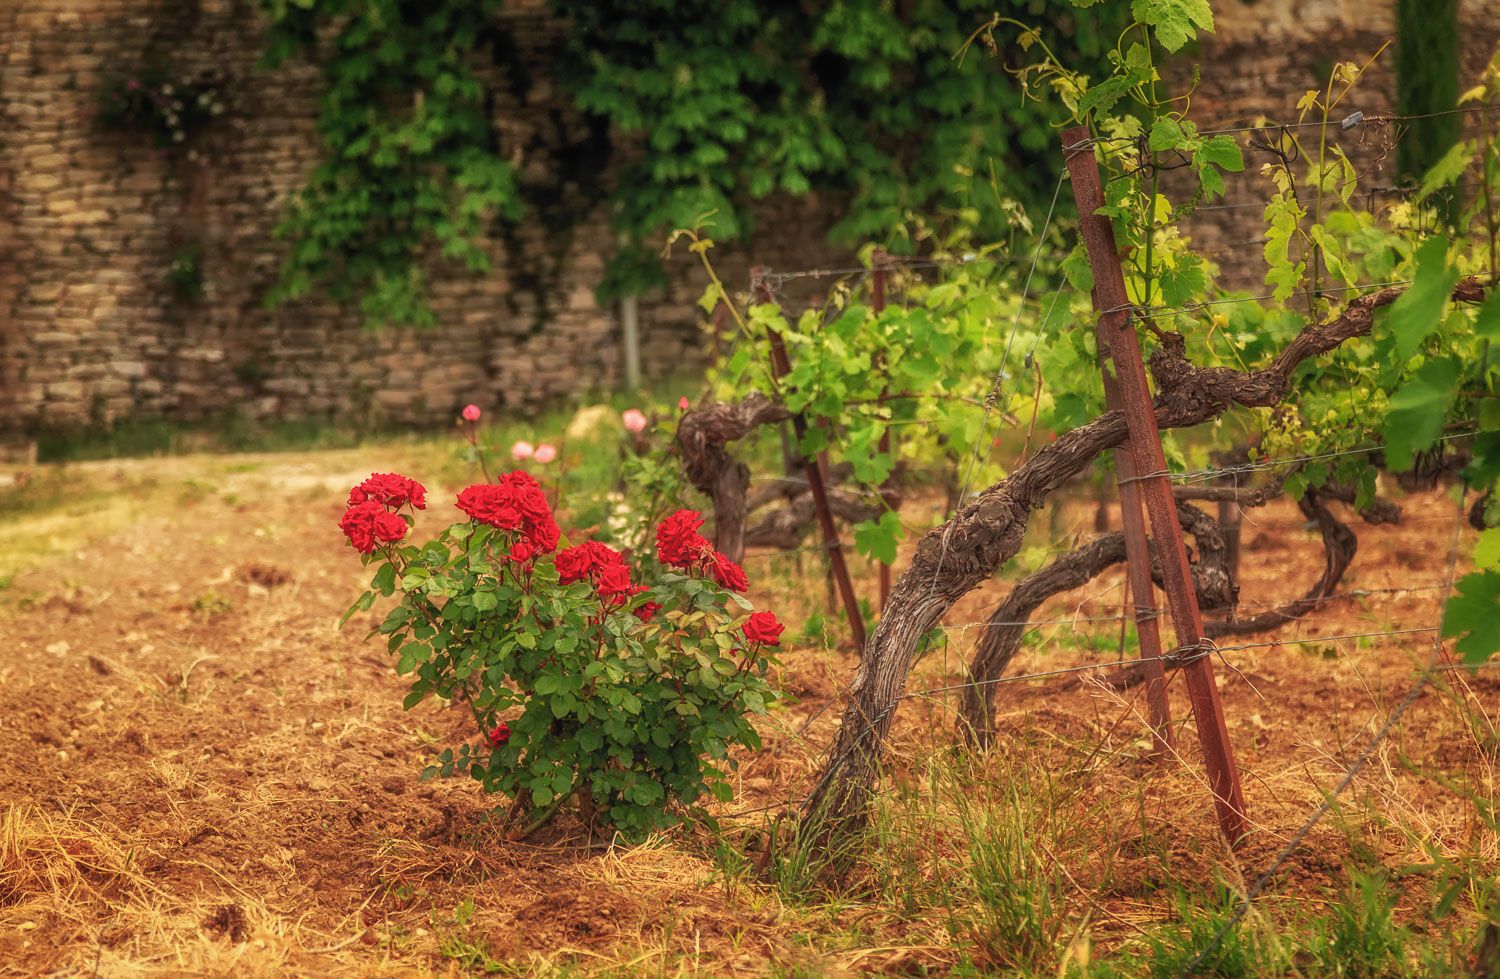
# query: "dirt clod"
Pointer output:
{"type": "Point", "coordinates": [227, 921]}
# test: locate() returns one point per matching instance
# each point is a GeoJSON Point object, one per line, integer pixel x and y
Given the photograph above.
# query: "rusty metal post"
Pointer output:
{"type": "Point", "coordinates": [1115, 329]}
{"type": "Point", "coordinates": [781, 365]}
{"type": "Point", "coordinates": [889, 495]}
{"type": "Point", "coordinates": [1138, 571]}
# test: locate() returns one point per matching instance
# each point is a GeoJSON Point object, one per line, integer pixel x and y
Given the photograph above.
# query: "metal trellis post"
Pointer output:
{"type": "Point", "coordinates": [1116, 331]}
{"type": "Point", "coordinates": [781, 365]}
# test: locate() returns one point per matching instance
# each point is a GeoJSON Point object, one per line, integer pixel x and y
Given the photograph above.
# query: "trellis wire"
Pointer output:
{"type": "Point", "coordinates": [1178, 657]}
{"type": "Point", "coordinates": [1359, 763]}
{"type": "Point", "coordinates": [1348, 122]}
{"type": "Point", "coordinates": [1201, 475]}
{"type": "Point", "coordinates": [996, 387]}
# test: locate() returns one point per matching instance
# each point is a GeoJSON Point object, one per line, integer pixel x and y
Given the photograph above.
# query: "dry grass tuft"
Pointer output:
{"type": "Point", "coordinates": [53, 865]}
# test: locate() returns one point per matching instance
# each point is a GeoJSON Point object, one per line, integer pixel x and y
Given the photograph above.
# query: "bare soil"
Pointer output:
{"type": "Point", "coordinates": [206, 777]}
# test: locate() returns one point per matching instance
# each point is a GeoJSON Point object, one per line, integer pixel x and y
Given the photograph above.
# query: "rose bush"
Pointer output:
{"type": "Point", "coordinates": [623, 689]}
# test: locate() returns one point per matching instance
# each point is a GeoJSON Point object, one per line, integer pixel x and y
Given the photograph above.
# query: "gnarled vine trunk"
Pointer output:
{"type": "Point", "coordinates": [1001, 637]}
{"type": "Point", "coordinates": [987, 531]}
{"type": "Point", "coordinates": [702, 435]}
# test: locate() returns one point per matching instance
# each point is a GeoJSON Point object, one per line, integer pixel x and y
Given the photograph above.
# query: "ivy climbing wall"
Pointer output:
{"type": "Point", "coordinates": [132, 278]}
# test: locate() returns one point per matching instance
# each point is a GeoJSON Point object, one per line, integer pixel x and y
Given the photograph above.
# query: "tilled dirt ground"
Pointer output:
{"type": "Point", "coordinates": [205, 777]}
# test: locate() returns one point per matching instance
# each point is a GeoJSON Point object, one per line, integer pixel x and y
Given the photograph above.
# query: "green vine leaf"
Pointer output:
{"type": "Point", "coordinates": [877, 539]}
{"type": "Point", "coordinates": [1417, 312]}
{"type": "Point", "coordinates": [1175, 22]}
{"type": "Point", "coordinates": [1418, 411]}
{"type": "Point", "coordinates": [1474, 614]}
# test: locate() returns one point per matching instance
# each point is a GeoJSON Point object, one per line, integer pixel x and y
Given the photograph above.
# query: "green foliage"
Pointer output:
{"type": "Point", "coordinates": [410, 161]}
{"type": "Point", "coordinates": [726, 103]}
{"type": "Point", "coordinates": [185, 274]}
{"type": "Point", "coordinates": [734, 101]}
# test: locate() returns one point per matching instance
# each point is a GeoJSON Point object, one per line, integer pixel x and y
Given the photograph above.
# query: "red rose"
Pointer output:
{"type": "Point", "coordinates": [727, 573]}
{"type": "Point", "coordinates": [678, 542]}
{"type": "Point", "coordinates": [491, 504]}
{"type": "Point", "coordinates": [389, 489]}
{"type": "Point", "coordinates": [613, 580]}
{"type": "Point", "coordinates": [763, 628]}
{"type": "Point", "coordinates": [647, 610]}
{"type": "Point", "coordinates": [586, 560]}
{"type": "Point", "coordinates": [522, 550]}
{"type": "Point", "coordinates": [363, 522]}
{"type": "Point", "coordinates": [389, 527]}
{"type": "Point", "coordinates": [498, 735]}
{"type": "Point", "coordinates": [572, 565]}
{"type": "Point", "coordinates": [515, 502]}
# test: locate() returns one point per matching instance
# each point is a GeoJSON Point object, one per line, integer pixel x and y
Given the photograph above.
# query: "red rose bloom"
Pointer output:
{"type": "Point", "coordinates": [613, 580]}
{"type": "Point", "coordinates": [646, 611]}
{"type": "Point", "coordinates": [368, 522]}
{"type": "Point", "coordinates": [762, 627]}
{"type": "Point", "coordinates": [522, 550]}
{"type": "Point", "coordinates": [678, 542]}
{"type": "Point", "coordinates": [498, 735]}
{"type": "Point", "coordinates": [391, 490]}
{"type": "Point", "coordinates": [572, 565]}
{"type": "Point", "coordinates": [587, 560]}
{"type": "Point", "coordinates": [389, 527]}
{"type": "Point", "coordinates": [727, 573]}
{"type": "Point", "coordinates": [491, 504]}
{"type": "Point", "coordinates": [516, 502]}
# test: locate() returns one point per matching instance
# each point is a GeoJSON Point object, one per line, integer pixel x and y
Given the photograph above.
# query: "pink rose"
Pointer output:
{"type": "Point", "coordinates": [522, 450]}
{"type": "Point", "coordinates": [544, 453]}
{"type": "Point", "coordinates": [683, 403]}
{"type": "Point", "coordinates": [634, 420]}
{"type": "Point", "coordinates": [471, 413]}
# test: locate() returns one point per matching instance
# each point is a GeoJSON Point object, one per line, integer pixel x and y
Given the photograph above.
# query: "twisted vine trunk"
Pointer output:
{"type": "Point", "coordinates": [701, 436]}
{"type": "Point", "coordinates": [786, 526]}
{"type": "Point", "coordinates": [1001, 638]}
{"type": "Point", "coordinates": [984, 533]}
{"type": "Point", "coordinates": [1339, 547]}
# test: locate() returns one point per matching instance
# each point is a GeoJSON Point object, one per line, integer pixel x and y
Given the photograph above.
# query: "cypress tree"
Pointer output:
{"type": "Point", "coordinates": [1426, 82]}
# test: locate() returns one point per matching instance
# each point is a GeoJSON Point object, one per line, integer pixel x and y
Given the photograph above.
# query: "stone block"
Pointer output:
{"type": "Point", "coordinates": [65, 391]}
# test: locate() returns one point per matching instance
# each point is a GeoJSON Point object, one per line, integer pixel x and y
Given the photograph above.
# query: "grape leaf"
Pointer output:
{"type": "Point", "coordinates": [1175, 22]}
{"type": "Point", "coordinates": [1487, 550]}
{"type": "Point", "coordinates": [878, 539]}
{"type": "Point", "coordinates": [1224, 153]}
{"type": "Point", "coordinates": [1417, 411]}
{"type": "Point", "coordinates": [1475, 609]}
{"type": "Point", "coordinates": [1419, 310]}
{"type": "Point", "coordinates": [1487, 317]}
{"type": "Point", "coordinates": [1448, 169]}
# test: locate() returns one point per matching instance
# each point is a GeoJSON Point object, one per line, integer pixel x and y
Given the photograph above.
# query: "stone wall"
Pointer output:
{"type": "Point", "coordinates": [92, 332]}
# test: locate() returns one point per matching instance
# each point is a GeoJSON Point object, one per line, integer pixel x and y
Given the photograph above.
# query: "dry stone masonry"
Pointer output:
{"type": "Point", "coordinates": [92, 331]}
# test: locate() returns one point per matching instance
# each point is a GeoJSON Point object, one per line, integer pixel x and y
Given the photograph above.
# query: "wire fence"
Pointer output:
{"type": "Point", "coordinates": [1175, 659]}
